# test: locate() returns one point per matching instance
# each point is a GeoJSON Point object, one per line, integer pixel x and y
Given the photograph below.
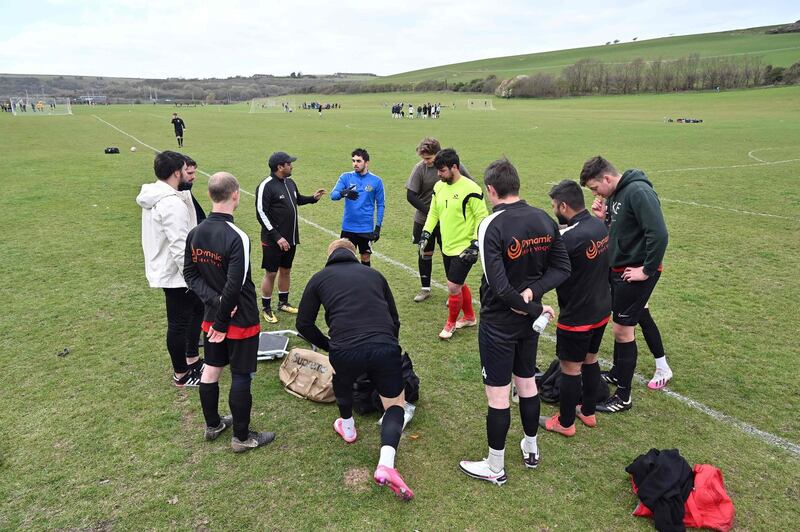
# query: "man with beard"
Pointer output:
{"type": "Point", "coordinates": [457, 207]}
{"type": "Point", "coordinates": [168, 214]}
{"type": "Point", "coordinates": [277, 199]}
{"type": "Point", "coordinates": [419, 191]}
{"type": "Point", "coordinates": [584, 305]}
{"type": "Point", "coordinates": [364, 195]}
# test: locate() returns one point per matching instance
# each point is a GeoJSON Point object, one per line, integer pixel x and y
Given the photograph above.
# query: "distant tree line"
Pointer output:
{"type": "Point", "coordinates": [590, 76]}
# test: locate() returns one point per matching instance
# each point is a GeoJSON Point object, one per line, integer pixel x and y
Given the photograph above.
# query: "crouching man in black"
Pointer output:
{"type": "Point", "coordinates": [364, 327]}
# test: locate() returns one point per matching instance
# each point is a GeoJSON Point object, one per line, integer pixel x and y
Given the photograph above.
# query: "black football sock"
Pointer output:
{"type": "Point", "coordinates": [392, 426]}
{"type": "Point", "coordinates": [590, 379]}
{"type": "Point", "coordinates": [497, 423]}
{"type": "Point", "coordinates": [425, 269]}
{"type": "Point", "coordinates": [529, 410]}
{"type": "Point", "coordinates": [652, 336]}
{"type": "Point", "coordinates": [570, 392]}
{"type": "Point", "coordinates": [266, 302]}
{"type": "Point", "coordinates": [209, 400]}
{"type": "Point", "coordinates": [626, 357]}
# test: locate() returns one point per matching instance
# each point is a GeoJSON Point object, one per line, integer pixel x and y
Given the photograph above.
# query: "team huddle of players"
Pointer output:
{"type": "Point", "coordinates": [603, 265]}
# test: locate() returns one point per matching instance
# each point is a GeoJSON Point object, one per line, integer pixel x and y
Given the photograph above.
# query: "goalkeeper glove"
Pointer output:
{"type": "Point", "coordinates": [470, 255]}
{"type": "Point", "coordinates": [376, 234]}
{"type": "Point", "coordinates": [350, 193]}
{"type": "Point", "coordinates": [423, 242]}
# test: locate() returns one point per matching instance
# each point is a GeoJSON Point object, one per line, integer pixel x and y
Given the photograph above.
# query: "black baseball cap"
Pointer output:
{"type": "Point", "coordinates": [279, 158]}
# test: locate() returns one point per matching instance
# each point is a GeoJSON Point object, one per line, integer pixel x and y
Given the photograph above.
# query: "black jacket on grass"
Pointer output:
{"type": "Point", "coordinates": [216, 267]}
{"type": "Point", "coordinates": [520, 247]}
{"type": "Point", "coordinates": [276, 209]}
{"type": "Point", "coordinates": [359, 306]}
{"type": "Point", "coordinates": [584, 299]}
{"type": "Point", "coordinates": [637, 232]}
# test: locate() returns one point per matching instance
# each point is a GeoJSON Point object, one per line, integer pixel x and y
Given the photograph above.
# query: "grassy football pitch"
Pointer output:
{"type": "Point", "coordinates": [100, 439]}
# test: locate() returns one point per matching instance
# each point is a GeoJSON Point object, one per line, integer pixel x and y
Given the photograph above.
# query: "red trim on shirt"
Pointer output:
{"type": "Point", "coordinates": [234, 332]}
{"type": "Point", "coordinates": [583, 328]}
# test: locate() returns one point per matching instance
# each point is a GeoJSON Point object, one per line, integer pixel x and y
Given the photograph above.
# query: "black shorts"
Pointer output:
{"type": "Point", "coordinates": [457, 269]}
{"type": "Point", "coordinates": [239, 354]}
{"type": "Point", "coordinates": [274, 257]}
{"type": "Point", "coordinates": [360, 240]}
{"type": "Point", "coordinates": [178, 132]}
{"type": "Point", "coordinates": [573, 346]}
{"type": "Point", "coordinates": [503, 354]}
{"type": "Point", "coordinates": [436, 236]}
{"type": "Point", "coordinates": [629, 299]}
{"type": "Point", "coordinates": [381, 361]}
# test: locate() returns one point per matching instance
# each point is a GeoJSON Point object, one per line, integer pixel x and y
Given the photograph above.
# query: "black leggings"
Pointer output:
{"type": "Point", "coordinates": [184, 319]}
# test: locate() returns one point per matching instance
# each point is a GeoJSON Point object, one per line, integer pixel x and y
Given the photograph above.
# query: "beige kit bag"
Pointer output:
{"type": "Point", "coordinates": [307, 374]}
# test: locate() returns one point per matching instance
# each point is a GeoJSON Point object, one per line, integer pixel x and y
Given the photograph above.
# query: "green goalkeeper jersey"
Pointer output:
{"type": "Point", "coordinates": [458, 209]}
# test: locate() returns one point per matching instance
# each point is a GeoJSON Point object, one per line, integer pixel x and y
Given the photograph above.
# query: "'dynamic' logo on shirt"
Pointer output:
{"type": "Point", "coordinates": [519, 248]}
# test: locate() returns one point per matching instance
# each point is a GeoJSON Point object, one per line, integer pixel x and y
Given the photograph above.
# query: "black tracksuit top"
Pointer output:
{"type": "Point", "coordinates": [276, 209]}
{"type": "Point", "coordinates": [520, 247]}
{"type": "Point", "coordinates": [217, 269]}
{"type": "Point", "coordinates": [585, 298]}
{"type": "Point", "coordinates": [359, 306]}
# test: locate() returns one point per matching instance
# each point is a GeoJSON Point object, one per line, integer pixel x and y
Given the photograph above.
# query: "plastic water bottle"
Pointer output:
{"type": "Point", "coordinates": [542, 321]}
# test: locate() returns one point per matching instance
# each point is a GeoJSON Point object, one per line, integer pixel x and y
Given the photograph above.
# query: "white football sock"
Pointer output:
{"type": "Point", "coordinates": [531, 445]}
{"type": "Point", "coordinates": [387, 456]}
{"type": "Point", "coordinates": [496, 459]}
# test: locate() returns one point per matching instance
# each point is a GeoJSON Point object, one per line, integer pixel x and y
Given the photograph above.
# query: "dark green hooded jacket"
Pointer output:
{"type": "Point", "coordinates": [637, 234]}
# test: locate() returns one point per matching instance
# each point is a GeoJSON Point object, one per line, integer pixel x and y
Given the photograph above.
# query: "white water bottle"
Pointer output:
{"type": "Point", "coordinates": [542, 321]}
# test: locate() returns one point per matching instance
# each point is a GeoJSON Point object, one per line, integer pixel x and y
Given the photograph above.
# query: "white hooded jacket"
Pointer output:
{"type": "Point", "coordinates": [167, 217]}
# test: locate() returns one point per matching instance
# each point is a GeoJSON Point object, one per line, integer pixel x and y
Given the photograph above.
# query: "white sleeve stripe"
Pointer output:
{"type": "Point", "coordinates": [260, 203]}
{"type": "Point", "coordinates": [482, 228]}
{"type": "Point", "coordinates": [246, 247]}
{"type": "Point", "coordinates": [569, 228]}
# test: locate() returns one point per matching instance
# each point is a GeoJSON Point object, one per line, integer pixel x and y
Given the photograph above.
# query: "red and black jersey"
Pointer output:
{"type": "Point", "coordinates": [520, 247]}
{"type": "Point", "coordinates": [217, 269]}
{"type": "Point", "coordinates": [584, 300]}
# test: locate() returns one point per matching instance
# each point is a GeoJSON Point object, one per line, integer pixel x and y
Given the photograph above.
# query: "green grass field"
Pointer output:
{"type": "Point", "coordinates": [100, 439]}
{"type": "Point", "coordinates": [778, 50]}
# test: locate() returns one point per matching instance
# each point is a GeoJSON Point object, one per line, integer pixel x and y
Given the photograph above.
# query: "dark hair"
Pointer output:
{"type": "Point", "coordinates": [167, 163]}
{"type": "Point", "coordinates": [190, 161]}
{"type": "Point", "coordinates": [360, 152]}
{"type": "Point", "coordinates": [503, 177]}
{"type": "Point", "coordinates": [594, 168]}
{"type": "Point", "coordinates": [428, 146]}
{"type": "Point", "coordinates": [447, 158]}
{"type": "Point", "coordinates": [221, 186]}
{"type": "Point", "coordinates": [569, 192]}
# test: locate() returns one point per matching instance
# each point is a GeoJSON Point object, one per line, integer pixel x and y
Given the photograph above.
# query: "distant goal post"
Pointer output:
{"type": "Point", "coordinates": [480, 104]}
{"type": "Point", "coordinates": [272, 104]}
{"type": "Point", "coordinates": [40, 106]}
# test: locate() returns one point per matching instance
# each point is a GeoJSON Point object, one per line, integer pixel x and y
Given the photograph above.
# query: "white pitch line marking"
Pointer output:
{"type": "Point", "coordinates": [746, 428]}
{"type": "Point", "coordinates": [721, 167]}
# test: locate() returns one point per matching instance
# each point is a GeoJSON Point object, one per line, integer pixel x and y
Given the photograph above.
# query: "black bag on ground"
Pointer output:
{"type": "Point", "coordinates": [549, 385]}
{"type": "Point", "coordinates": [366, 398]}
{"type": "Point", "coordinates": [112, 150]}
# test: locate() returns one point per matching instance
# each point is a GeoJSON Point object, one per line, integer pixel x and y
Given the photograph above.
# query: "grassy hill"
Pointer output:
{"type": "Point", "coordinates": [778, 50]}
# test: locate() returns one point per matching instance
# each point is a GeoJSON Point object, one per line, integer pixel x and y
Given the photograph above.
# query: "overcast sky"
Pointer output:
{"type": "Point", "coordinates": [171, 38]}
